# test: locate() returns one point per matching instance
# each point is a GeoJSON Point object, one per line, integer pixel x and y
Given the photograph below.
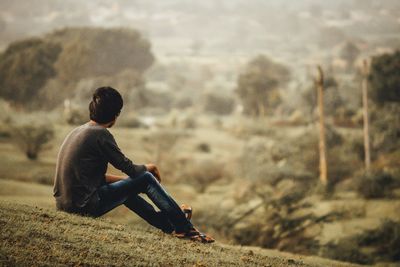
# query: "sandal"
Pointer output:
{"type": "Point", "coordinates": [187, 210]}
{"type": "Point", "coordinates": [195, 235]}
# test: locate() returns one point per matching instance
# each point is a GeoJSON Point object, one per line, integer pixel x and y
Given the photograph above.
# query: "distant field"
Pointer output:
{"type": "Point", "coordinates": [33, 236]}
{"type": "Point", "coordinates": [16, 166]}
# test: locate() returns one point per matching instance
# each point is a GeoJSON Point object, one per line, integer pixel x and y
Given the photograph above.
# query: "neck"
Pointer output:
{"type": "Point", "coordinates": [104, 125]}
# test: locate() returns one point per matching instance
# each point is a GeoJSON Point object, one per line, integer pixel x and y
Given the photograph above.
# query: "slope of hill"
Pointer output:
{"type": "Point", "coordinates": [35, 236]}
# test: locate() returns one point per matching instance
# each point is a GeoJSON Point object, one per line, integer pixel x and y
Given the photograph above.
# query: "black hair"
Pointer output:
{"type": "Point", "coordinates": [105, 105]}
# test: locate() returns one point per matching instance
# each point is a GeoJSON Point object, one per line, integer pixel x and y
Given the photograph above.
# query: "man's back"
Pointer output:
{"type": "Point", "coordinates": [80, 166]}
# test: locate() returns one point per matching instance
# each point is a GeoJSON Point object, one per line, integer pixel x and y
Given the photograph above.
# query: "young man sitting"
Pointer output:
{"type": "Point", "coordinates": [82, 185]}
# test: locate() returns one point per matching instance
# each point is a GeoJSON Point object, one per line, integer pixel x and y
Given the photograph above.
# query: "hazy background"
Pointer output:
{"type": "Point", "coordinates": [221, 95]}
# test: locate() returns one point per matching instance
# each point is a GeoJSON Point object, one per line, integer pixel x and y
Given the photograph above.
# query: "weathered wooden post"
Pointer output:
{"type": "Point", "coordinates": [323, 168]}
{"type": "Point", "coordinates": [364, 86]}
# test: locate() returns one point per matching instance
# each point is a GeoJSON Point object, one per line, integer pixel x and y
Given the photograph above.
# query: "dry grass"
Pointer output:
{"type": "Point", "coordinates": [34, 236]}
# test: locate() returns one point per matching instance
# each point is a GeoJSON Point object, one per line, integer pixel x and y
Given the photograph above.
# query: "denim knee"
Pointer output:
{"type": "Point", "coordinates": [149, 177]}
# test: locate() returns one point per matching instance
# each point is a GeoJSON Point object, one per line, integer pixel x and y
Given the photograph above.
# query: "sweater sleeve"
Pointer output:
{"type": "Point", "coordinates": [113, 154]}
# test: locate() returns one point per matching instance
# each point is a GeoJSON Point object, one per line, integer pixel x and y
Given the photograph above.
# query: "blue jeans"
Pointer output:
{"type": "Point", "coordinates": [169, 218]}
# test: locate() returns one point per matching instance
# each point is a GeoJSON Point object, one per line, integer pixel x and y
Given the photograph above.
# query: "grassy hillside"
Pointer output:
{"type": "Point", "coordinates": [32, 235]}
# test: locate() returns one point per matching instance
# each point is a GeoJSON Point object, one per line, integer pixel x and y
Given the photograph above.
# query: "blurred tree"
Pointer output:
{"type": "Point", "coordinates": [258, 85]}
{"type": "Point", "coordinates": [177, 82]}
{"type": "Point", "coordinates": [32, 135]}
{"type": "Point", "coordinates": [25, 67]}
{"type": "Point", "coordinates": [349, 52]}
{"type": "Point", "coordinates": [385, 78]}
{"type": "Point", "coordinates": [91, 52]}
{"type": "Point", "coordinates": [332, 98]}
{"type": "Point", "coordinates": [220, 104]}
{"type": "Point", "coordinates": [72, 56]}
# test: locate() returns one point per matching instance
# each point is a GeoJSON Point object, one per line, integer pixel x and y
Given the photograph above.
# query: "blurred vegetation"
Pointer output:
{"type": "Point", "coordinates": [333, 102]}
{"type": "Point", "coordinates": [258, 85]}
{"type": "Point", "coordinates": [70, 63]}
{"type": "Point", "coordinates": [91, 52]}
{"type": "Point", "coordinates": [349, 52]}
{"type": "Point", "coordinates": [385, 78]}
{"type": "Point", "coordinates": [220, 104]}
{"type": "Point", "coordinates": [255, 163]}
{"type": "Point", "coordinates": [202, 174]}
{"type": "Point", "coordinates": [373, 246]}
{"type": "Point", "coordinates": [25, 66]}
{"type": "Point", "coordinates": [377, 184]}
{"type": "Point", "coordinates": [385, 128]}
{"type": "Point", "coordinates": [32, 134]}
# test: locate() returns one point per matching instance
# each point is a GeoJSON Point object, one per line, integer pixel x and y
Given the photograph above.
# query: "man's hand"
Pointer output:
{"type": "Point", "coordinates": [154, 170]}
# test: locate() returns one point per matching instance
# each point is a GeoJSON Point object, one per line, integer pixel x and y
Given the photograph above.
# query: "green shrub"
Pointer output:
{"type": "Point", "coordinates": [375, 185]}
{"type": "Point", "coordinates": [385, 239]}
{"type": "Point", "coordinates": [377, 245]}
{"type": "Point", "coordinates": [385, 78]}
{"type": "Point", "coordinates": [5, 118]}
{"type": "Point", "coordinates": [189, 121]}
{"type": "Point", "coordinates": [203, 147]}
{"type": "Point", "coordinates": [76, 116]}
{"type": "Point", "coordinates": [25, 67]}
{"type": "Point", "coordinates": [385, 128]}
{"type": "Point", "coordinates": [345, 250]}
{"type": "Point", "coordinates": [32, 137]}
{"type": "Point", "coordinates": [218, 104]}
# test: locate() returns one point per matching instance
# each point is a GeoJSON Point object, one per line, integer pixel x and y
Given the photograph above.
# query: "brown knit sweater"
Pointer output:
{"type": "Point", "coordinates": [82, 164]}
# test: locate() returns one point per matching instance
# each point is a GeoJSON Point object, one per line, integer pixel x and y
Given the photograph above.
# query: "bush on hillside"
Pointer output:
{"type": "Point", "coordinates": [345, 250]}
{"type": "Point", "coordinates": [386, 240]}
{"type": "Point", "coordinates": [278, 157]}
{"type": "Point", "coordinates": [375, 185]}
{"type": "Point", "coordinates": [32, 137]}
{"type": "Point", "coordinates": [257, 85]}
{"type": "Point", "coordinates": [385, 128]}
{"type": "Point", "coordinates": [5, 118]}
{"type": "Point", "coordinates": [91, 52]}
{"type": "Point", "coordinates": [75, 116]}
{"type": "Point", "coordinates": [203, 147]}
{"type": "Point", "coordinates": [59, 61]}
{"type": "Point", "coordinates": [372, 246]}
{"type": "Point", "coordinates": [385, 78]}
{"type": "Point", "coordinates": [218, 104]}
{"type": "Point", "coordinates": [25, 67]}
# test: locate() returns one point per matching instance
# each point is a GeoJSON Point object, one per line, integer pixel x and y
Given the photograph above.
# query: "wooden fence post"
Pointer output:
{"type": "Point", "coordinates": [323, 168]}
{"type": "Point", "coordinates": [365, 116]}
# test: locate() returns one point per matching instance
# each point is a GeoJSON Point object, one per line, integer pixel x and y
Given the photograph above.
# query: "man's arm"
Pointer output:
{"type": "Point", "coordinates": [113, 155]}
{"type": "Point", "coordinates": [111, 178]}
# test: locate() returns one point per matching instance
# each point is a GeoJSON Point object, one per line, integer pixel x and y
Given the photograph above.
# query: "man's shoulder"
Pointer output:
{"type": "Point", "coordinates": [85, 131]}
{"type": "Point", "coordinates": [94, 129]}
